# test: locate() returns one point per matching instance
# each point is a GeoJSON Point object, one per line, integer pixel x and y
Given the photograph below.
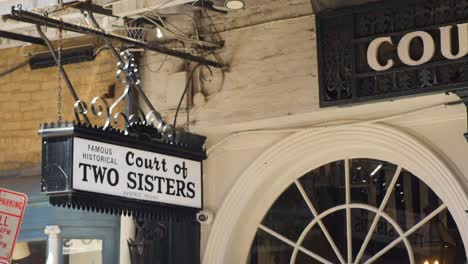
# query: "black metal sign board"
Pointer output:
{"type": "Point", "coordinates": [131, 173]}
{"type": "Point", "coordinates": [391, 49]}
{"type": "Point", "coordinates": [117, 172]}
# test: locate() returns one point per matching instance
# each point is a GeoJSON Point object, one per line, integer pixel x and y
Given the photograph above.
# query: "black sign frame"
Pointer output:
{"type": "Point", "coordinates": [342, 33]}
{"type": "Point", "coordinates": [57, 167]}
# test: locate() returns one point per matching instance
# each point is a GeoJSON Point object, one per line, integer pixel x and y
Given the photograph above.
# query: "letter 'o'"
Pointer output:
{"type": "Point", "coordinates": [373, 54]}
{"type": "Point", "coordinates": [404, 48]}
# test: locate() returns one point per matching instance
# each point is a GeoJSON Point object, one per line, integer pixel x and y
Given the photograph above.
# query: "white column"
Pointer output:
{"type": "Point", "coordinates": [54, 244]}
{"type": "Point", "coordinates": [127, 231]}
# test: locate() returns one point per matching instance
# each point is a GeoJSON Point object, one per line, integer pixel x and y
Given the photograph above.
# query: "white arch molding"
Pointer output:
{"type": "Point", "coordinates": [265, 179]}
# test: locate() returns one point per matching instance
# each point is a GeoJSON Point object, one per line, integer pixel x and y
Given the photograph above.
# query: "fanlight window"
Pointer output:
{"type": "Point", "coordinates": [358, 211]}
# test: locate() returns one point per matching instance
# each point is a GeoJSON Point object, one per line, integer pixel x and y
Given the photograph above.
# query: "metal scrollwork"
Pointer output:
{"type": "Point", "coordinates": [124, 117]}
{"type": "Point", "coordinates": [100, 109]}
{"type": "Point", "coordinates": [80, 108]}
{"type": "Point", "coordinates": [128, 74]}
{"type": "Point", "coordinates": [155, 119]}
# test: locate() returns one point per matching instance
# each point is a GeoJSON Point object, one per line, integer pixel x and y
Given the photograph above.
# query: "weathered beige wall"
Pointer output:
{"type": "Point", "coordinates": [271, 92]}
{"type": "Point", "coordinates": [29, 98]}
{"type": "Point", "coordinates": [273, 72]}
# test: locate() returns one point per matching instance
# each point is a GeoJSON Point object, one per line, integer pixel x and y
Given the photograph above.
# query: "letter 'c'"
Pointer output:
{"type": "Point", "coordinates": [373, 54]}
{"type": "Point", "coordinates": [404, 48]}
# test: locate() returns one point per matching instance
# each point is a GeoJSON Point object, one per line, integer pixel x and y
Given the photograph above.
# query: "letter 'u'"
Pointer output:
{"type": "Point", "coordinates": [446, 41]}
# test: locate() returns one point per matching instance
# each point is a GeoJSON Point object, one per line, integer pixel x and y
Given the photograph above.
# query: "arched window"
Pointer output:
{"type": "Point", "coordinates": [358, 211]}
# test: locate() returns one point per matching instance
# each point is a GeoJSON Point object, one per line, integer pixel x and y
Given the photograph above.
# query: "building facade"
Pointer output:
{"type": "Point", "coordinates": [291, 176]}
{"type": "Point", "coordinates": [290, 181]}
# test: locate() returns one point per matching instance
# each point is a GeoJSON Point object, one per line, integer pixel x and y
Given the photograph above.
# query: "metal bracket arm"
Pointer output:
{"type": "Point", "coordinates": [61, 69]}
{"type": "Point", "coordinates": [21, 37]}
{"type": "Point", "coordinates": [119, 59]}
{"type": "Point", "coordinates": [34, 18]}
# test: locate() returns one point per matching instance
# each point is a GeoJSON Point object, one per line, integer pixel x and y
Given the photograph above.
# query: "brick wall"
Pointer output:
{"type": "Point", "coordinates": [29, 98]}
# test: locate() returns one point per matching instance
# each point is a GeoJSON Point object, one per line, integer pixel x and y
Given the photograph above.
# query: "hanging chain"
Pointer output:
{"type": "Point", "coordinates": [59, 65]}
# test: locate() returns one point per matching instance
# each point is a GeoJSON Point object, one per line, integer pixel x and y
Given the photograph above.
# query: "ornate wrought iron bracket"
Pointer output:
{"type": "Point", "coordinates": [61, 69]}
{"type": "Point", "coordinates": [17, 13]}
{"type": "Point", "coordinates": [127, 73]}
{"type": "Point", "coordinates": [463, 94]}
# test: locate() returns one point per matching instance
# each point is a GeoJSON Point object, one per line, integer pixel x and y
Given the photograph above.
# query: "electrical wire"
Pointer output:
{"type": "Point", "coordinates": [211, 20]}
{"type": "Point", "coordinates": [178, 36]}
{"type": "Point", "coordinates": [185, 91]}
{"type": "Point", "coordinates": [14, 68]}
{"type": "Point", "coordinates": [160, 66]}
{"type": "Point", "coordinates": [221, 85]}
{"type": "Point", "coordinates": [182, 14]}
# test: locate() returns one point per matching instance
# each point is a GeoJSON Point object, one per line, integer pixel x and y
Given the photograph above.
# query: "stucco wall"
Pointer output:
{"type": "Point", "coordinates": [271, 92]}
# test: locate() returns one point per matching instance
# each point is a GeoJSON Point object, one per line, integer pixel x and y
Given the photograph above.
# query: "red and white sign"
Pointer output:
{"type": "Point", "coordinates": [12, 206]}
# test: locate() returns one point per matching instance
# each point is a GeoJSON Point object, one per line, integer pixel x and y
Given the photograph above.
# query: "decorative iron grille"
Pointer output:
{"type": "Point", "coordinates": [344, 36]}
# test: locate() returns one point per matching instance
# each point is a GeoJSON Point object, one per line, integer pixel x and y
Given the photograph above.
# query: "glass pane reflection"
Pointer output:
{"type": "Point", "coordinates": [410, 202]}
{"type": "Point", "coordinates": [397, 254]}
{"type": "Point", "coordinates": [369, 180]}
{"type": "Point", "coordinates": [267, 249]}
{"type": "Point", "coordinates": [316, 242]}
{"type": "Point", "coordinates": [438, 240]}
{"type": "Point", "coordinates": [77, 251]}
{"type": "Point", "coordinates": [325, 186]}
{"type": "Point", "coordinates": [306, 259]}
{"type": "Point", "coordinates": [31, 252]}
{"type": "Point", "coordinates": [289, 215]}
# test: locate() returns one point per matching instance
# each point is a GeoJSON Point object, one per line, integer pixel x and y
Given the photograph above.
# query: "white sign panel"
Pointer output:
{"type": "Point", "coordinates": [12, 205]}
{"type": "Point", "coordinates": [136, 174]}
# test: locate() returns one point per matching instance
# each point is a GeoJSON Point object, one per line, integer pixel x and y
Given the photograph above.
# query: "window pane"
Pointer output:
{"type": "Point", "coordinates": [316, 242]}
{"type": "Point", "coordinates": [370, 180]}
{"type": "Point", "coordinates": [33, 252]}
{"type": "Point", "coordinates": [77, 251]}
{"type": "Point", "coordinates": [411, 200]}
{"type": "Point", "coordinates": [267, 249]}
{"type": "Point", "coordinates": [306, 259]}
{"type": "Point", "coordinates": [398, 254]}
{"type": "Point", "coordinates": [325, 186]}
{"type": "Point", "coordinates": [383, 235]}
{"type": "Point", "coordinates": [336, 226]}
{"type": "Point", "coordinates": [439, 240]}
{"type": "Point", "coordinates": [289, 215]}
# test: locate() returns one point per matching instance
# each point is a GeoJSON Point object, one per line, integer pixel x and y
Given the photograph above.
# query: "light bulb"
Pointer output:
{"type": "Point", "coordinates": [436, 262]}
{"type": "Point", "coordinates": [426, 262]}
{"type": "Point", "coordinates": [159, 34]}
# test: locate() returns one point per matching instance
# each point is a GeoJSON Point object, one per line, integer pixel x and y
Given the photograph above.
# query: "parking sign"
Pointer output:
{"type": "Point", "coordinates": [12, 206]}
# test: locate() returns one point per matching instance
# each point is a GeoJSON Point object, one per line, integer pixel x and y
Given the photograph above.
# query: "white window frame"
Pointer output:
{"type": "Point", "coordinates": [261, 183]}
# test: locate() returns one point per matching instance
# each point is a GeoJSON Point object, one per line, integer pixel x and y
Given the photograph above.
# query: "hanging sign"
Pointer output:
{"type": "Point", "coordinates": [142, 166]}
{"type": "Point", "coordinates": [12, 206]}
{"type": "Point", "coordinates": [135, 174]}
{"type": "Point", "coordinates": [131, 172]}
